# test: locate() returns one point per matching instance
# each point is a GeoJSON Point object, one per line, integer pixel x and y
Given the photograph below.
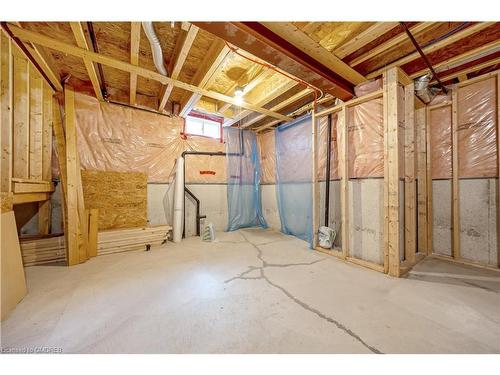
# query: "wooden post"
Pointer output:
{"type": "Point", "coordinates": [36, 123]}
{"type": "Point", "coordinates": [21, 136]}
{"type": "Point", "coordinates": [392, 168]}
{"type": "Point", "coordinates": [455, 181]}
{"type": "Point", "coordinates": [344, 172]}
{"type": "Point", "coordinates": [6, 102]}
{"type": "Point", "coordinates": [315, 211]}
{"type": "Point", "coordinates": [44, 208]}
{"type": "Point", "coordinates": [410, 167]}
{"type": "Point", "coordinates": [420, 124]}
{"type": "Point", "coordinates": [429, 182]}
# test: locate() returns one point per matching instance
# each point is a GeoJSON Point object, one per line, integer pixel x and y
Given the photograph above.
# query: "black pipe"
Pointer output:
{"type": "Point", "coordinates": [95, 47]}
{"type": "Point", "coordinates": [183, 155]}
{"type": "Point", "coordinates": [424, 57]}
{"type": "Point", "coordinates": [328, 161]}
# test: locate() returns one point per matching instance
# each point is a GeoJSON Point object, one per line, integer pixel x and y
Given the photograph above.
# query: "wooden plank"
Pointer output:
{"type": "Point", "coordinates": [420, 124]}
{"type": "Point", "coordinates": [455, 181]}
{"type": "Point", "coordinates": [72, 171]}
{"type": "Point", "coordinates": [21, 136]}
{"type": "Point", "coordinates": [47, 132]}
{"type": "Point", "coordinates": [400, 38]}
{"type": "Point", "coordinates": [127, 67]}
{"type": "Point", "coordinates": [363, 38]}
{"type": "Point", "coordinates": [93, 215]}
{"type": "Point", "coordinates": [393, 190]}
{"type": "Point", "coordinates": [367, 264]}
{"type": "Point", "coordinates": [385, 100]}
{"type": "Point", "coordinates": [472, 69]}
{"type": "Point", "coordinates": [289, 32]}
{"type": "Point", "coordinates": [81, 42]}
{"type": "Point", "coordinates": [352, 102]}
{"type": "Point", "coordinates": [410, 169]}
{"type": "Point", "coordinates": [135, 39]}
{"type": "Point", "coordinates": [181, 51]}
{"type": "Point", "coordinates": [36, 124]}
{"type": "Point", "coordinates": [6, 98]}
{"type": "Point", "coordinates": [342, 121]}
{"type": "Point", "coordinates": [433, 47]}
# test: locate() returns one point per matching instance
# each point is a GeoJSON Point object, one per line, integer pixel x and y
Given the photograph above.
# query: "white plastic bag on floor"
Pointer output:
{"type": "Point", "coordinates": [326, 237]}
{"type": "Point", "coordinates": [208, 234]}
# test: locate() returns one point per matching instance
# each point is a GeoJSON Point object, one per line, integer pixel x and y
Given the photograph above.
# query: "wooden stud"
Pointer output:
{"type": "Point", "coordinates": [44, 217]}
{"type": "Point", "coordinates": [342, 125]}
{"type": "Point", "coordinates": [21, 133]}
{"type": "Point", "coordinates": [36, 124]}
{"type": "Point", "coordinates": [6, 97]}
{"type": "Point", "coordinates": [410, 168]}
{"type": "Point", "coordinates": [143, 72]}
{"type": "Point", "coordinates": [455, 181]}
{"type": "Point", "coordinates": [314, 180]}
{"type": "Point", "coordinates": [420, 124]}
{"type": "Point", "coordinates": [30, 197]}
{"type": "Point", "coordinates": [47, 133]}
{"type": "Point", "coordinates": [392, 179]}
{"type": "Point", "coordinates": [385, 99]}
{"type": "Point", "coordinates": [472, 69]}
{"type": "Point", "coordinates": [22, 187]}
{"type": "Point", "coordinates": [71, 192]}
{"type": "Point", "coordinates": [81, 42]}
{"type": "Point", "coordinates": [135, 39]}
{"type": "Point", "coordinates": [433, 47]}
{"type": "Point", "coordinates": [93, 217]}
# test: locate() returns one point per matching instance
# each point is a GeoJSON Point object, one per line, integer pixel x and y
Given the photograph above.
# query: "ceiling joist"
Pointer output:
{"type": "Point", "coordinates": [135, 38]}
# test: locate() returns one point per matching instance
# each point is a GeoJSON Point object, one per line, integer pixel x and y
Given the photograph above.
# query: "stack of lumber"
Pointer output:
{"type": "Point", "coordinates": [42, 250]}
{"type": "Point", "coordinates": [130, 239]}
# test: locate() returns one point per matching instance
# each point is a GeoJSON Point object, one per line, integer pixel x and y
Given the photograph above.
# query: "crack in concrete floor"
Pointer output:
{"type": "Point", "coordinates": [302, 304]}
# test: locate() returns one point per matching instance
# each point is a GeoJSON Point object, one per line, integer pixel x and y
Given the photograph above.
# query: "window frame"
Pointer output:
{"type": "Point", "coordinates": [208, 117]}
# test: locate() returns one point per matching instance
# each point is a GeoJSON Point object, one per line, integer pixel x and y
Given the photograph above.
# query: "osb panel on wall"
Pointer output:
{"type": "Point", "coordinates": [121, 198]}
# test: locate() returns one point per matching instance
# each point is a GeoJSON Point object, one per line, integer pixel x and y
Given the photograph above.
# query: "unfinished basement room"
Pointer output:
{"type": "Point", "coordinates": [250, 187]}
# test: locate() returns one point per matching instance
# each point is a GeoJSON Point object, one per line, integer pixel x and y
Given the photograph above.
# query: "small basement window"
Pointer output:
{"type": "Point", "coordinates": [203, 125]}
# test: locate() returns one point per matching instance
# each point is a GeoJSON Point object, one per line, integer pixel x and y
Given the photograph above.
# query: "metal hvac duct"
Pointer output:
{"type": "Point", "coordinates": [155, 47]}
{"type": "Point", "coordinates": [422, 89]}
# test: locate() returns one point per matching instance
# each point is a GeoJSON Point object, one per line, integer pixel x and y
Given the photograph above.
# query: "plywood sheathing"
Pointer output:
{"type": "Point", "coordinates": [121, 198]}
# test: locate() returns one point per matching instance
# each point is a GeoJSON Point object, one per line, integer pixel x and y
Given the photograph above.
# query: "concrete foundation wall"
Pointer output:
{"type": "Point", "coordinates": [366, 213]}
{"type": "Point", "coordinates": [270, 206]}
{"type": "Point", "coordinates": [478, 220]}
{"type": "Point", "coordinates": [335, 211]}
{"type": "Point", "coordinates": [441, 217]}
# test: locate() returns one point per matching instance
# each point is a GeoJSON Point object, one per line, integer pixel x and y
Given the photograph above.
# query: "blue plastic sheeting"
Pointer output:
{"type": "Point", "coordinates": [243, 178]}
{"type": "Point", "coordinates": [294, 177]}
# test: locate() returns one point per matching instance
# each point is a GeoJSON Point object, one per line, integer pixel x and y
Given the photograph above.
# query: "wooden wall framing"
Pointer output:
{"type": "Point", "coordinates": [399, 148]}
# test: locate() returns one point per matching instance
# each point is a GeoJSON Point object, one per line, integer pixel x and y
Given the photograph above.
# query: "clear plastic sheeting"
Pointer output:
{"type": "Point", "coordinates": [118, 138]}
{"type": "Point", "coordinates": [366, 139]}
{"type": "Point", "coordinates": [368, 87]}
{"type": "Point", "coordinates": [294, 177]}
{"type": "Point", "coordinates": [267, 152]}
{"type": "Point", "coordinates": [243, 178]}
{"type": "Point", "coordinates": [477, 142]}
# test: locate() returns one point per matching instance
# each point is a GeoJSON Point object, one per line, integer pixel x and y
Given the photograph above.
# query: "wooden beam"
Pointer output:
{"type": "Point", "coordinates": [314, 180]}
{"type": "Point", "coordinates": [146, 73]}
{"type": "Point", "coordinates": [363, 38]}
{"type": "Point", "coordinates": [455, 182]}
{"type": "Point", "coordinates": [462, 58]}
{"type": "Point", "coordinates": [211, 65]}
{"type": "Point", "coordinates": [93, 218]}
{"type": "Point", "coordinates": [400, 38]}
{"type": "Point", "coordinates": [135, 40]}
{"type": "Point", "coordinates": [47, 95]}
{"type": "Point", "coordinates": [420, 124]}
{"type": "Point", "coordinates": [410, 220]}
{"type": "Point", "coordinates": [30, 197]}
{"type": "Point", "coordinates": [6, 105]}
{"type": "Point", "coordinates": [289, 32]}
{"type": "Point", "coordinates": [433, 47]}
{"type": "Point", "coordinates": [79, 35]}
{"type": "Point", "coordinates": [24, 187]}
{"type": "Point", "coordinates": [181, 51]}
{"type": "Point", "coordinates": [35, 124]}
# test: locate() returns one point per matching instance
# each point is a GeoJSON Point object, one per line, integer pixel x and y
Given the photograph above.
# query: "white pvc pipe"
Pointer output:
{"type": "Point", "coordinates": [177, 225]}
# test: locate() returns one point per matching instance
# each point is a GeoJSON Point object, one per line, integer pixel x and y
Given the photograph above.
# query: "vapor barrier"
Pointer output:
{"type": "Point", "coordinates": [294, 177]}
{"type": "Point", "coordinates": [243, 178]}
{"type": "Point", "coordinates": [122, 139]}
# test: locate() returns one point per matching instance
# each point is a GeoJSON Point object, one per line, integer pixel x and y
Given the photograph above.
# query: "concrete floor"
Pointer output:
{"type": "Point", "coordinates": [254, 291]}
